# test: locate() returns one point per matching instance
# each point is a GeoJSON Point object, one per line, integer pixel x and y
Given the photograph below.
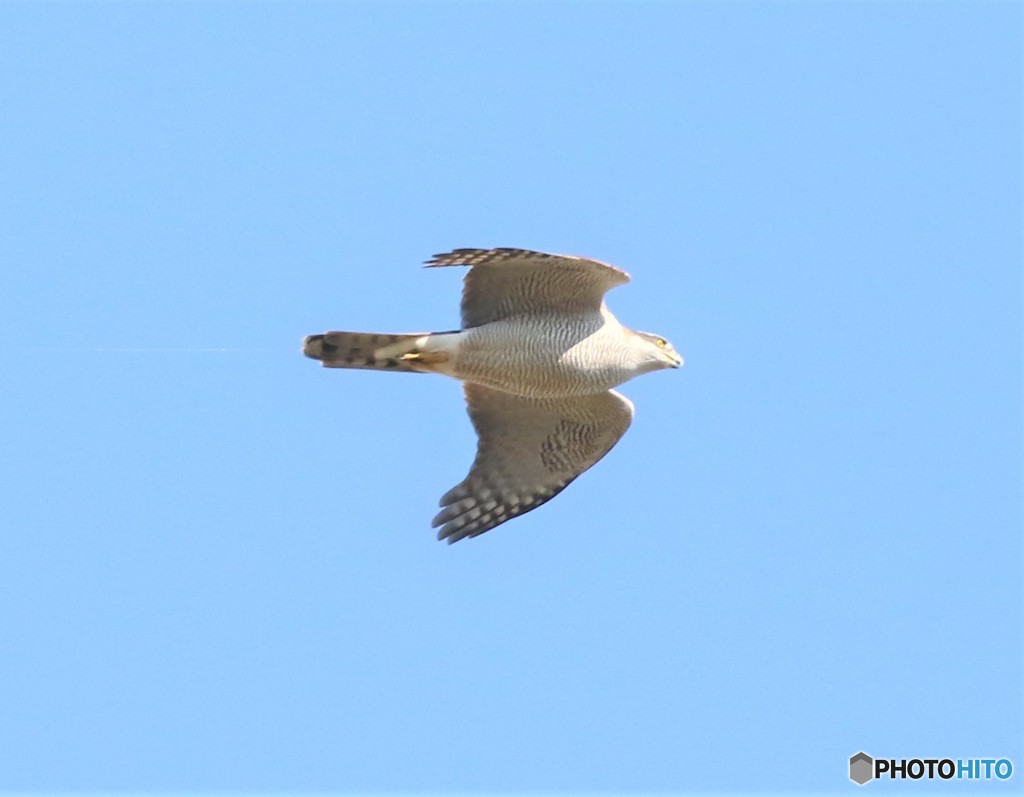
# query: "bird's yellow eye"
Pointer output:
{"type": "Point", "coordinates": [660, 343]}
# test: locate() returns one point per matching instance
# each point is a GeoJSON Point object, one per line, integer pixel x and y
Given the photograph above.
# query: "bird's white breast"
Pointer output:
{"type": "Point", "coordinates": [544, 357]}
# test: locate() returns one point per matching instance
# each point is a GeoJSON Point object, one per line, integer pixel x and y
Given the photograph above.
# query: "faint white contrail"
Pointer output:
{"type": "Point", "coordinates": [144, 349]}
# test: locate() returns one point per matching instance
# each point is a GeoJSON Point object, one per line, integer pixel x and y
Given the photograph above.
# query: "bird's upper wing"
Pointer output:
{"type": "Point", "coordinates": [529, 450]}
{"type": "Point", "coordinates": [508, 282]}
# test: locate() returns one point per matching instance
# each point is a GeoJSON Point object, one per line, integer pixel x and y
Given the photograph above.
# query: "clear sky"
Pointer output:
{"type": "Point", "coordinates": [217, 571]}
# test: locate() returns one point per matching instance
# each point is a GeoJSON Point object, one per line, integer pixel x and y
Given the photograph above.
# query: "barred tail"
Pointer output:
{"type": "Point", "coordinates": [372, 350]}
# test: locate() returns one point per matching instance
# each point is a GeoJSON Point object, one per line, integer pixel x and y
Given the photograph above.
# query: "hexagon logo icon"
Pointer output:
{"type": "Point", "coordinates": [862, 768]}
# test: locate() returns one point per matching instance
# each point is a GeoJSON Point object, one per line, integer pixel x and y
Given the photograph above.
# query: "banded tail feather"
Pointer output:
{"type": "Point", "coordinates": [377, 351]}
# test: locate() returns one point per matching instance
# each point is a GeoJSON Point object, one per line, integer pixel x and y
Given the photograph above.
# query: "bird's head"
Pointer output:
{"type": "Point", "coordinates": [657, 352]}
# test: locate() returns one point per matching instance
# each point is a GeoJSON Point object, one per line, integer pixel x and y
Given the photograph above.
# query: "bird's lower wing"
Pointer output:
{"type": "Point", "coordinates": [529, 450]}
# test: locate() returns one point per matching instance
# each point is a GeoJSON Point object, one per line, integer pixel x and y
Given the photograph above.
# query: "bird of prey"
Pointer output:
{"type": "Point", "coordinates": [538, 354]}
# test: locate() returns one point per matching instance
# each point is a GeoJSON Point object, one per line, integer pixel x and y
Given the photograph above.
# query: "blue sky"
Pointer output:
{"type": "Point", "coordinates": [217, 571]}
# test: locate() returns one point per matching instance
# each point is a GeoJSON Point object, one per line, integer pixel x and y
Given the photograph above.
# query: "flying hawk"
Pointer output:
{"type": "Point", "coordinates": [538, 354]}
